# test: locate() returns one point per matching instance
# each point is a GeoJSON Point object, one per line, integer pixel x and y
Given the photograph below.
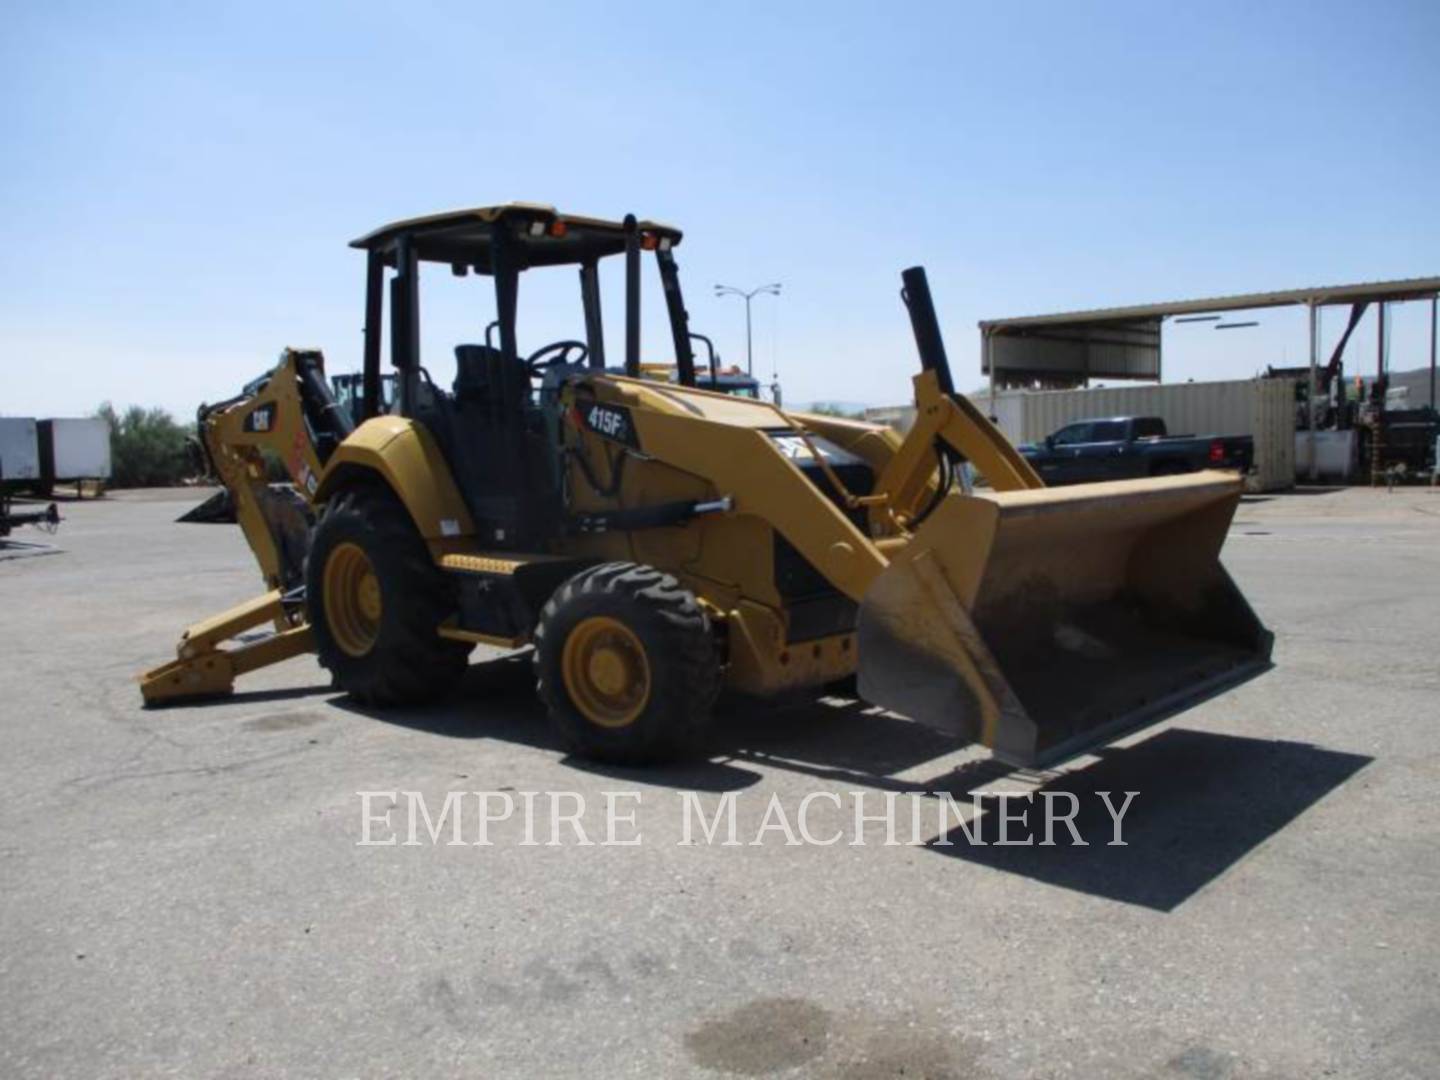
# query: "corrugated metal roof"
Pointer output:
{"type": "Point", "coordinates": [1402, 289]}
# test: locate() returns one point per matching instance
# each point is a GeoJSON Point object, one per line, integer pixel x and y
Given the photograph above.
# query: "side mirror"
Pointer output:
{"type": "Point", "coordinates": [1049, 442]}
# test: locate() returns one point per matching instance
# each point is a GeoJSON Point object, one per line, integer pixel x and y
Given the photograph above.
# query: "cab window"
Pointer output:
{"type": "Point", "coordinates": [1073, 434]}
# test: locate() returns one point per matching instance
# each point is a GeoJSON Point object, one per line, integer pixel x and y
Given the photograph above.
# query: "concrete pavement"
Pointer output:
{"type": "Point", "coordinates": [184, 894]}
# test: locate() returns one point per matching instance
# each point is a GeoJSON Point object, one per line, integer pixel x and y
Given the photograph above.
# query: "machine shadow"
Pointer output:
{"type": "Point", "coordinates": [496, 700]}
{"type": "Point", "coordinates": [1205, 800]}
{"type": "Point", "coordinates": [841, 739]}
{"type": "Point", "coordinates": [829, 738]}
{"type": "Point", "coordinates": [1222, 795]}
{"type": "Point", "coordinates": [249, 697]}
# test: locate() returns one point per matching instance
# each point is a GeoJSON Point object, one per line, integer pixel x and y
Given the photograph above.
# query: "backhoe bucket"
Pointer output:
{"type": "Point", "coordinates": [1044, 623]}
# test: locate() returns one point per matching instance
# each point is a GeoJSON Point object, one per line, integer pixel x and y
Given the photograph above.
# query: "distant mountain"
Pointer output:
{"type": "Point", "coordinates": [1416, 381]}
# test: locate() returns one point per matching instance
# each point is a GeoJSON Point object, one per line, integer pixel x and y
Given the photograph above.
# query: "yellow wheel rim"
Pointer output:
{"type": "Point", "coordinates": [352, 599]}
{"type": "Point", "coordinates": [607, 674]}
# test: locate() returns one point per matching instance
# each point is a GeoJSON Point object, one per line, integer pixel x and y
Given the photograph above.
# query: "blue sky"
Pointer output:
{"type": "Point", "coordinates": [180, 181]}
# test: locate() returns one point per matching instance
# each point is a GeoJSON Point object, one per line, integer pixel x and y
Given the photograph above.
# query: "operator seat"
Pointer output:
{"type": "Point", "coordinates": [482, 375]}
{"type": "Point", "coordinates": [485, 439]}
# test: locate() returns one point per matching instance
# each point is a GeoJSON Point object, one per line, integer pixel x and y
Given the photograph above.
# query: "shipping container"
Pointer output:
{"type": "Point", "coordinates": [1273, 427]}
{"type": "Point", "coordinates": [74, 448]}
{"type": "Point", "coordinates": [1261, 408]}
{"type": "Point", "coordinates": [19, 451]}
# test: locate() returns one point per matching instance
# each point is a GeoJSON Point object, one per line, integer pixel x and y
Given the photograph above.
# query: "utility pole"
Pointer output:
{"type": "Point", "coordinates": [1313, 313]}
{"type": "Point", "coordinates": [1432, 352]}
{"type": "Point", "coordinates": [772, 289]}
{"type": "Point", "coordinates": [1377, 433]}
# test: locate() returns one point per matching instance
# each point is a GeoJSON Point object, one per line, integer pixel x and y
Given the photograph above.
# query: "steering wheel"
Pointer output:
{"type": "Point", "coordinates": [542, 358]}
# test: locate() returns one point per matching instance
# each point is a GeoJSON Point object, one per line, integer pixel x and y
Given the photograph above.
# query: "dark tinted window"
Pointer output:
{"type": "Point", "coordinates": [1149, 427]}
{"type": "Point", "coordinates": [1108, 431]}
{"type": "Point", "coordinates": [1073, 433]}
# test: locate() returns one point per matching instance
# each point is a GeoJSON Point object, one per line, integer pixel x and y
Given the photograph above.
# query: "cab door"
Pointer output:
{"type": "Point", "coordinates": [1107, 454]}
{"type": "Point", "coordinates": [1059, 460]}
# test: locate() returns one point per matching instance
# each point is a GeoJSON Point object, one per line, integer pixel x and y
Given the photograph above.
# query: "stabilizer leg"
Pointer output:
{"type": "Point", "coordinates": [204, 668]}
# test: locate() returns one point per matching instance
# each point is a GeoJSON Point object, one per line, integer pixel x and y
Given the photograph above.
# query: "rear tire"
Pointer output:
{"type": "Point", "coordinates": [374, 599]}
{"type": "Point", "coordinates": [626, 664]}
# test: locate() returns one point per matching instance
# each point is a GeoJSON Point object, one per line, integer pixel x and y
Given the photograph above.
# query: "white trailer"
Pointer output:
{"type": "Point", "coordinates": [74, 449]}
{"type": "Point", "coordinates": [19, 451]}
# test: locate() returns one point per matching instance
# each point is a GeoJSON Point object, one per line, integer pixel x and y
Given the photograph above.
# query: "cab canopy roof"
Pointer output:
{"type": "Point", "coordinates": [540, 236]}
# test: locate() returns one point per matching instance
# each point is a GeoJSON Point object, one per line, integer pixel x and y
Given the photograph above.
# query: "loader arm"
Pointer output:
{"type": "Point", "coordinates": [744, 463]}
{"type": "Point", "coordinates": [952, 420]}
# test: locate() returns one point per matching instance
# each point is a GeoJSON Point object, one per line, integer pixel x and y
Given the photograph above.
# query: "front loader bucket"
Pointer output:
{"type": "Point", "coordinates": [1044, 623]}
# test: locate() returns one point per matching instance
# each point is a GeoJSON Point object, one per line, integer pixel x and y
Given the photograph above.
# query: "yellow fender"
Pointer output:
{"type": "Point", "coordinates": [404, 454]}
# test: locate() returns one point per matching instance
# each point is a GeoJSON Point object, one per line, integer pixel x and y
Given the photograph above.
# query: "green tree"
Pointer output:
{"type": "Point", "coordinates": [832, 408]}
{"type": "Point", "coordinates": [147, 447]}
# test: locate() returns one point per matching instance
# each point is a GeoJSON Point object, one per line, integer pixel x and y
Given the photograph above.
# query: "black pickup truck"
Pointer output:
{"type": "Point", "coordinates": [1123, 447]}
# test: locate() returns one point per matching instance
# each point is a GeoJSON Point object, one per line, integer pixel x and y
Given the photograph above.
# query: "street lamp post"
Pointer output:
{"type": "Point", "coordinates": [729, 290]}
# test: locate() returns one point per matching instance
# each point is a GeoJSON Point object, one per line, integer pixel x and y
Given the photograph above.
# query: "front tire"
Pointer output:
{"type": "Point", "coordinates": [374, 599]}
{"type": "Point", "coordinates": [626, 664]}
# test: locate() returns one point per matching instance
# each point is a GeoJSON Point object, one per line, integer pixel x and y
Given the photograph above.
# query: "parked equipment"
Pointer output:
{"type": "Point", "coordinates": [656, 541]}
{"type": "Point", "coordinates": [349, 391]}
{"type": "Point", "coordinates": [19, 452]}
{"type": "Point", "coordinates": [1399, 443]}
{"type": "Point", "coordinates": [47, 519]}
{"type": "Point", "coordinates": [73, 449]}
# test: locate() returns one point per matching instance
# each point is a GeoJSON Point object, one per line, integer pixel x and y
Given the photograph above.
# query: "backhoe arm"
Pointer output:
{"type": "Point", "coordinates": [291, 414]}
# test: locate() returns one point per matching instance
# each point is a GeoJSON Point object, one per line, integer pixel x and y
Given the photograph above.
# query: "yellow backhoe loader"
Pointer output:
{"type": "Point", "coordinates": [655, 542]}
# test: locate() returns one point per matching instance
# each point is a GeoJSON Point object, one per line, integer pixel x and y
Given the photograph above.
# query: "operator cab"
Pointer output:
{"type": "Point", "coordinates": [497, 425]}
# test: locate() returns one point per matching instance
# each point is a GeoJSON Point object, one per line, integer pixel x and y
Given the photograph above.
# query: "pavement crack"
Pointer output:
{"type": "Point", "coordinates": [109, 777]}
